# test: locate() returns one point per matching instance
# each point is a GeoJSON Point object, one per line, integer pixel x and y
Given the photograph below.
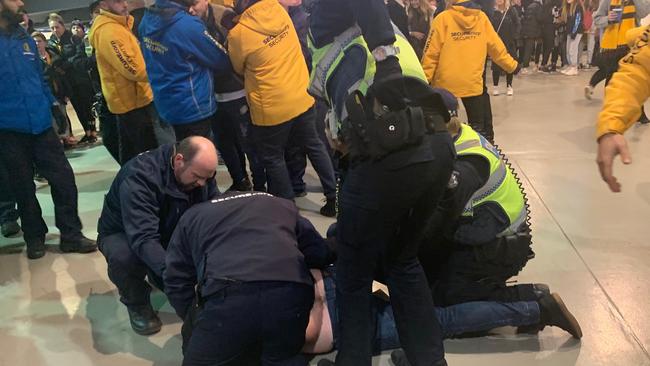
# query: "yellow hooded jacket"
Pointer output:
{"type": "Point", "coordinates": [120, 63]}
{"type": "Point", "coordinates": [629, 87]}
{"type": "Point", "coordinates": [459, 41]}
{"type": "Point", "coordinates": [264, 47]}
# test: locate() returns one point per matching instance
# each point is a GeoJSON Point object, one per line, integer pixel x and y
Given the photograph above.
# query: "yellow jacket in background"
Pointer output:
{"type": "Point", "coordinates": [264, 47]}
{"type": "Point", "coordinates": [459, 41]}
{"type": "Point", "coordinates": [628, 89]}
{"type": "Point", "coordinates": [120, 63]}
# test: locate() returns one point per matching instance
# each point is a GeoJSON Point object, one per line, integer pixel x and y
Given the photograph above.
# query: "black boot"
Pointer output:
{"type": "Point", "coordinates": [80, 245]}
{"type": "Point", "coordinates": [10, 228]}
{"type": "Point", "coordinates": [36, 249]}
{"type": "Point", "coordinates": [243, 185]}
{"type": "Point", "coordinates": [144, 320]}
{"type": "Point", "coordinates": [553, 312]}
{"type": "Point", "coordinates": [329, 210]}
{"type": "Point", "coordinates": [399, 359]}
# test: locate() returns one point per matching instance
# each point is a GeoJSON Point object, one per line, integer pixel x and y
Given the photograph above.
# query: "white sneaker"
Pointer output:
{"type": "Point", "coordinates": [525, 71]}
{"type": "Point", "coordinates": [572, 71]}
{"type": "Point", "coordinates": [510, 91]}
{"type": "Point", "coordinates": [495, 91]}
{"type": "Point", "coordinates": [589, 92]}
{"type": "Point", "coordinates": [563, 69]}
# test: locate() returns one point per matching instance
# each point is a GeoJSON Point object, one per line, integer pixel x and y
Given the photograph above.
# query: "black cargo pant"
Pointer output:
{"type": "Point", "coordinates": [479, 273]}
{"type": "Point", "coordinates": [20, 154]}
{"type": "Point", "coordinates": [8, 212]}
{"type": "Point", "coordinates": [479, 114]}
{"type": "Point", "coordinates": [383, 206]}
{"type": "Point", "coordinates": [136, 130]}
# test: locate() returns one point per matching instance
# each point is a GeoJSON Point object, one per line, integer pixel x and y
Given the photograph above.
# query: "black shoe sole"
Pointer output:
{"type": "Point", "coordinates": [146, 332]}
{"type": "Point", "coordinates": [574, 328]}
{"type": "Point", "coordinates": [81, 250]}
{"type": "Point", "coordinates": [36, 255]}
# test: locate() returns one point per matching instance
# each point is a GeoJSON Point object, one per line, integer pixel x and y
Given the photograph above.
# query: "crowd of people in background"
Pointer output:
{"type": "Point", "coordinates": [262, 81]}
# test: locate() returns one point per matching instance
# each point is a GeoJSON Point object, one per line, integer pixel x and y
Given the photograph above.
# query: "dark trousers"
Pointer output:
{"type": "Point", "coordinates": [127, 271]}
{"type": "Point", "coordinates": [598, 76]}
{"type": "Point", "coordinates": [296, 156]}
{"type": "Point", "coordinates": [251, 324]}
{"type": "Point", "coordinates": [560, 51]}
{"type": "Point", "coordinates": [479, 114]}
{"type": "Point", "coordinates": [136, 129]}
{"type": "Point", "coordinates": [548, 42]}
{"type": "Point", "coordinates": [199, 128]}
{"type": "Point", "coordinates": [8, 212]}
{"type": "Point", "coordinates": [272, 142]}
{"type": "Point", "coordinates": [232, 134]}
{"type": "Point", "coordinates": [379, 232]}
{"type": "Point", "coordinates": [109, 129]}
{"type": "Point", "coordinates": [82, 102]}
{"type": "Point", "coordinates": [20, 154]}
{"type": "Point", "coordinates": [529, 49]}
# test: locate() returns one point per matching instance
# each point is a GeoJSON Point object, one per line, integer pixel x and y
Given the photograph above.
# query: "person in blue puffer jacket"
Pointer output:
{"type": "Point", "coordinates": [181, 58]}
{"type": "Point", "coordinates": [28, 139]}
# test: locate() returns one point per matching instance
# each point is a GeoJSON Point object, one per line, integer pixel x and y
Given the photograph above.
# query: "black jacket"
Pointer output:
{"type": "Point", "coordinates": [398, 15]}
{"type": "Point", "coordinates": [329, 18]}
{"type": "Point", "coordinates": [145, 203]}
{"type": "Point", "coordinates": [73, 52]}
{"type": "Point", "coordinates": [531, 24]}
{"type": "Point", "coordinates": [240, 237]}
{"type": "Point", "coordinates": [510, 25]}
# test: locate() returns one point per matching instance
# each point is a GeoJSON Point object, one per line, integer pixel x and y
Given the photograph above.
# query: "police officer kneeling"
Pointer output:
{"type": "Point", "coordinates": [147, 198]}
{"type": "Point", "coordinates": [247, 255]}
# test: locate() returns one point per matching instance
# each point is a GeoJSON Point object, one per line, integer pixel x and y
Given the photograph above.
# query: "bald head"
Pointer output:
{"type": "Point", "coordinates": [195, 162]}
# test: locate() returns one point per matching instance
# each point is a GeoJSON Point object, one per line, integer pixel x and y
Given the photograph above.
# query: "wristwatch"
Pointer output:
{"type": "Point", "coordinates": [383, 52]}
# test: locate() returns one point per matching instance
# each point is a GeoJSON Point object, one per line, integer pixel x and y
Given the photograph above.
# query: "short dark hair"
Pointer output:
{"type": "Point", "coordinates": [93, 6]}
{"type": "Point", "coordinates": [188, 148]}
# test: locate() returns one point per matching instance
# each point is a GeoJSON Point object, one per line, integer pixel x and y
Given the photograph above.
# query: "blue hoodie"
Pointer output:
{"type": "Point", "coordinates": [181, 57]}
{"type": "Point", "coordinates": [25, 97]}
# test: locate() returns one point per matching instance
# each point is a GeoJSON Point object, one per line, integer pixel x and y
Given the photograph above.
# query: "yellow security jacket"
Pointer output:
{"type": "Point", "coordinates": [120, 63]}
{"type": "Point", "coordinates": [628, 89]}
{"type": "Point", "coordinates": [264, 47]}
{"type": "Point", "coordinates": [459, 41]}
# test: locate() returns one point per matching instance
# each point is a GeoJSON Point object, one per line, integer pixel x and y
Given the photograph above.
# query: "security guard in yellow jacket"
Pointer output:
{"type": "Point", "coordinates": [384, 115]}
{"type": "Point", "coordinates": [628, 89]}
{"type": "Point", "coordinates": [459, 42]}
{"type": "Point", "coordinates": [124, 78]}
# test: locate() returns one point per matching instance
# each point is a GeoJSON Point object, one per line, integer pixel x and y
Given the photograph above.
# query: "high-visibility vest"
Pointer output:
{"type": "Point", "coordinates": [501, 187]}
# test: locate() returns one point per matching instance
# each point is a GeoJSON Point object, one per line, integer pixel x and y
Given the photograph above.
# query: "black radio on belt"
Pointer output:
{"type": "Point", "coordinates": [372, 130]}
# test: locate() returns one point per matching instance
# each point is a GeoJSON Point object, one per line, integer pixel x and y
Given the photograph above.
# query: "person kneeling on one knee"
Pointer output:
{"type": "Point", "coordinates": [237, 272]}
{"type": "Point", "coordinates": [147, 198]}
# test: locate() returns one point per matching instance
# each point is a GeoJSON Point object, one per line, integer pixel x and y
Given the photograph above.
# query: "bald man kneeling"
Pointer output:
{"type": "Point", "coordinates": [147, 198]}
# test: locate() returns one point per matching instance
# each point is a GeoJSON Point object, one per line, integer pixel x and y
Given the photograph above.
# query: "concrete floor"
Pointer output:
{"type": "Point", "coordinates": [591, 248]}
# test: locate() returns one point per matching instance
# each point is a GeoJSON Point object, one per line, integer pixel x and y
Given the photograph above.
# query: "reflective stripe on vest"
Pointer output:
{"type": "Point", "coordinates": [326, 59]}
{"type": "Point", "coordinates": [501, 187]}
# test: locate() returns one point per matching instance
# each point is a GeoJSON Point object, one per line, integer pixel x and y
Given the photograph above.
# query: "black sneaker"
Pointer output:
{"type": "Point", "coordinates": [644, 120]}
{"type": "Point", "coordinates": [36, 249]}
{"type": "Point", "coordinates": [325, 362]}
{"type": "Point", "coordinates": [553, 312]}
{"type": "Point", "coordinates": [329, 210]}
{"type": "Point", "coordinates": [242, 186]}
{"type": "Point", "coordinates": [399, 359]}
{"type": "Point", "coordinates": [81, 245]}
{"type": "Point", "coordinates": [144, 320]}
{"type": "Point", "coordinates": [10, 228]}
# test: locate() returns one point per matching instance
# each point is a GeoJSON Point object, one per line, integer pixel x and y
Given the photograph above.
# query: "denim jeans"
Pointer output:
{"type": "Point", "coordinates": [454, 320]}
{"type": "Point", "coordinates": [20, 154]}
{"type": "Point", "coordinates": [272, 142]}
{"type": "Point", "coordinates": [232, 134]}
{"type": "Point", "coordinates": [251, 324]}
{"type": "Point", "coordinates": [383, 205]}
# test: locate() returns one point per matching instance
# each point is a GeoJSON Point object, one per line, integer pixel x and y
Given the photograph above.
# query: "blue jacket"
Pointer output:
{"type": "Point", "coordinates": [181, 57]}
{"type": "Point", "coordinates": [240, 237]}
{"type": "Point", "coordinates": [25, 97]}
{"type": "Point", "coordinates": [145, 203]}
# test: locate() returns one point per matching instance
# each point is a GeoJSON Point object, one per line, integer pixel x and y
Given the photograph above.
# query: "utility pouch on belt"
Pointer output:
{"type": "Point", "coordinates": [374, 131]}
{"type": "Point", "coordinates": [511, 253]}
